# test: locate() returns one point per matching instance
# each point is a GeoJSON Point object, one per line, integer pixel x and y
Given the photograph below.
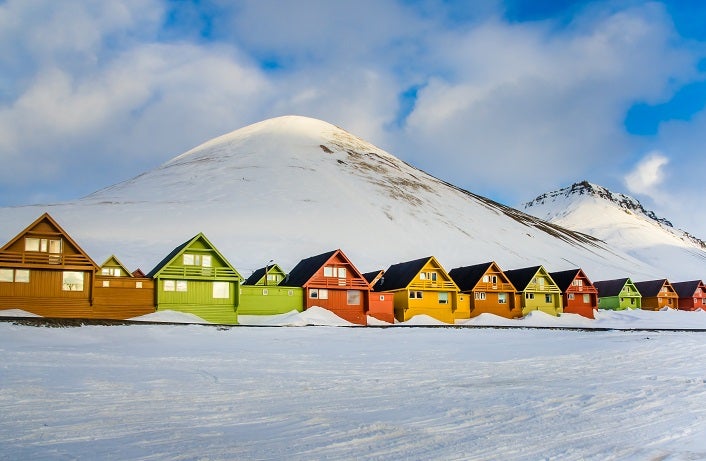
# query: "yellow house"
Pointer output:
{"type": "Point", "coordinates": [422, 287]}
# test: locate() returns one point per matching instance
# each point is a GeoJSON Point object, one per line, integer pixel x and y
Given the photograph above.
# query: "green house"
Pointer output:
{"type": "Point", "coordinates": [196, 278]}
{"type": "Point", "coordinates": [114, 268]}
{"type": "Point", "coordinates": [537, 290]}
{"type": "Point", "coordinates": [618, 294]}
{"type": "Point", "coordinates": [261, 293]}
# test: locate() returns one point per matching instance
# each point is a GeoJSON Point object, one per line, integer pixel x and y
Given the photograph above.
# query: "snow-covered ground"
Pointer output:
{"type": "Point", "coordinates": [183, 392]}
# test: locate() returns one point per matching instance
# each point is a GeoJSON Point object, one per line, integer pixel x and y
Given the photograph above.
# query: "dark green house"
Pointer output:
{"type": "Point", "coordinates": [261, 293]}
{"type": "Point", "coordinates": [196, 278]}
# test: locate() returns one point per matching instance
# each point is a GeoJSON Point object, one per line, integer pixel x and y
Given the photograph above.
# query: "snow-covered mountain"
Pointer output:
{"type": "Point", "coordinates": [623, 223]}
{"type": "Point", "coordinates": [291, 187]}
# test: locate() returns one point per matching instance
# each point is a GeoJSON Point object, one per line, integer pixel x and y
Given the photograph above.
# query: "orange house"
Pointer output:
{"type": "Point", "coordinates": [43, 271]}
{"type": "Point", "coordinates": [657, 294]}
{"type": "Point", "coordinates": [579, 294]}
{"type": "Point", "coordinates": [120, 294]}
{"type": "Point", "coordinates": [489, 290]}
{"type": "Point", "coordinates": [381, 305]}
{"type": "Point", "coordinates": [330, 280]}
{"type": "Point", "coordinates": [692, 295]}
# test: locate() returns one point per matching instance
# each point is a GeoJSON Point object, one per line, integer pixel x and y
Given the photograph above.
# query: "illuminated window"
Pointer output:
{"type": "Point", "coordinates": [72, 281]}
{"type": "Point", "coordinates": [221, 290]}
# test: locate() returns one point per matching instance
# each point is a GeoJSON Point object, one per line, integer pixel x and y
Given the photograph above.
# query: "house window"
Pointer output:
{"type": "Point", "coordinates": [632, 300]}
{"type": "Point", "coordinates": [290, 292]}
{"type": "Point", "coordinates": [571, 296]}
{"type": "Point", "coordinates": [486, 278]}
{"type": "Point", "coordinates": [169, 285]}
{"type": "Point", "coordinates": [43, 245]}
{"type": "Point", "coordinates": [577, 282]}
{"type": "Point", "coordinates": [181, 285]}
{"type": "Point", "coordinates": [353, 297]}
{"type": "Point", "coordinates": [586, 299]}
{"type": "Point", "coordinates": [502, 298]}
{"type": "Point", "coordinates": [529, 295]}
{"type": "Point", "coordinates": [316, 293]}
{"type": "Point", "coordinates": [197, 260]}
{"type": "Point", "coordinates": [21, 275]}
{"type": "Point", "coordinates": [221, 290]}
{"type": "Point", "coordinates": [428, 276]}
{"type": "Point", "coordinates": [443, 297]}
{"type": "Point", "coordinates": [138, 284]}
{"type": "Point", "coordinates": [382, 297]}
{"type": "Point", "coordinates": [112, 271]}
{"type": "Point", "coordinates": [265, 292]}
{"type": "Point", "coordinates": [6, 275]}
{"type": "Point", "coordinates": [415, 295]}
{"type": "Point", "coordinates": [331, 271]}
{"type": "Point", "coordinates": [703, 301]}
{"type": "Point", "coordinates": [276, 278]}
{"type": "Point", "coordinates": [663, 290]}
{"type": "Point", "coordinates": [106, 283]}
{"type": "Point", "coordinates": [540, 281]}
{"type": "Point", "coordinates": [548, 298]}
{"type": "Point", "coordinates": [480, 295]}
{"type": "Point", "coordinates": [72, 281]}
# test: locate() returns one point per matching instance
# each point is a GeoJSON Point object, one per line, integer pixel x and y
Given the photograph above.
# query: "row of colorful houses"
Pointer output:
{"type": "Point", "coordinates": [45, 272]}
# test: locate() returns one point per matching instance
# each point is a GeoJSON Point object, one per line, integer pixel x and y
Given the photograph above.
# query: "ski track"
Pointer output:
{"type": "Point", "coordinates": [189, 392]}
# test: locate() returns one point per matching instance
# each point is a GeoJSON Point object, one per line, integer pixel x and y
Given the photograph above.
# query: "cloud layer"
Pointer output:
{"type": "Point", "coordinates": [102, 91]}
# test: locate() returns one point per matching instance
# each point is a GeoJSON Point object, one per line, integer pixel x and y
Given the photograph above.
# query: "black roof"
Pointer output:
{"type": "Point", "coordinates": [520, 278]}
{"type": "Point", "coordinates": [650, 288]}
{"type": "Point", "coordinates": [686, 289]}
{"type": "Point", "coordinates": [467, 277]}
{"type": "Point", "coordinates": [563, 279]}
{"type": "Point", "coordinates": [610, 287]}
{"type": "Point", "coordinates": [255, 276]}
{"type": "Point", "coordinates": [371, 277]}
{"type": "Point", "coordinates": [401, 274]}
{"type": "Point", "coordinates": [306, 268]}
{"type": "Point", "coordinates": [168, 258]}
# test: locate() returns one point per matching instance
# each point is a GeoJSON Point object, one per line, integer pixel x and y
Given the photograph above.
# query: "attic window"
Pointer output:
{"type": "Point", "coordinates": [428, 276]}
{"type": "Point", "coordinates": [43, 245]}
{"type": "Point", "coordinates": [577, 283]}
{"type": "Point", "coordinates": [112, 271]}
{"type": "Point", "coordinates": [331, 271]}
{"type": "Point", "coordinates": [197, 260]}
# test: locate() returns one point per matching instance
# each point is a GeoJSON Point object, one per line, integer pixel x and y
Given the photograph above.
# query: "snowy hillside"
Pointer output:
{"type": "Point", "coordinates": [291, 187]}
{"type": "Point", "coordinates": [624, 224]}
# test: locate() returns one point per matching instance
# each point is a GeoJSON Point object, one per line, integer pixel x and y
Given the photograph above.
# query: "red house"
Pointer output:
{"type": "Point", "coordinates": [692, 295]}
{"type": "Point", "coordinates": [331, 281]}
{"type": "Point", "coordinates": [381, 305]}
{"type": "Point", "coordinates": [580, 296]}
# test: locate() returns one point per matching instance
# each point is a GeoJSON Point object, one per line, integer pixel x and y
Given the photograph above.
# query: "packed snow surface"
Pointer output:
{"type": "Point", "coordinates": [199, 392]}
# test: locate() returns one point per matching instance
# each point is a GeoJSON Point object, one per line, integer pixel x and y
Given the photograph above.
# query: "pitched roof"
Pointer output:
{"type": "Point", "coordinates": [650, 288]}
{"type": "Point", "coordinates": [260, 273]}
{"type": "Point", "coordinates": [687, 289]}
{"type": "Point", "coordinates": [374, 277]}
{"type": "Point", "coordinates": [306, 268]}
{"type": "Point", "coordinates": [610, 287]}
{"type": "Point", "coordinates": [520, 278]}
{"type": "Point", "coordinates": [400, 275]}
{"type": "Point", "coordinates": [467, 277]}
{"type": "Point", "coordinates": [563, 279]}
{"type": "Point", "coordinates": [176, 251]}
{"type": "Point", "coordinates": [118, 263]}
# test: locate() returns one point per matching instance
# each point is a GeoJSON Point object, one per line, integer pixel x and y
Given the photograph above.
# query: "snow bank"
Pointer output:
{"type": "Point", "coordinates": [312, 316]}
{"type": "Point", "coordinates": [422, 320]}
{"type": "Point", "coordinates": [168, 316]}
{"type": "Point", "coordinates": [16, 313]}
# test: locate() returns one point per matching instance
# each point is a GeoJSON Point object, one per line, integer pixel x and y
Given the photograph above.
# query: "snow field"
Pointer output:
{"type": "Point", "coordinates": [196, 392]}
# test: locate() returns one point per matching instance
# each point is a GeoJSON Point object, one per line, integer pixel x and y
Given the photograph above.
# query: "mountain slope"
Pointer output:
{"type": "Point", "coordinates": [290, 187]}
{"type": "Point", "coordinates": [624, 224]}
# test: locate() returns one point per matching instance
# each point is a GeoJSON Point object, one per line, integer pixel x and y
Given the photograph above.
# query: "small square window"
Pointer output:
{"type": "Point", "coordinates": [22, 275]}
{"type": "Point", "coordinates": [138, 284]}
{"type": "Point", "coordinates": [106, 283]}
{"type": "Point", "coordinates": [169, 285]}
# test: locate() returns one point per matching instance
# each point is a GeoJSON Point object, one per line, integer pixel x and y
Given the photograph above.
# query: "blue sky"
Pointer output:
{"type": "Point", "coordinates": [508, 99]}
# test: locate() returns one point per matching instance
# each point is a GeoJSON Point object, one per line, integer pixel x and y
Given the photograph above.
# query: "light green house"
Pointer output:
{"type": "Point", "coordinates": [261, 293]}
{"type": "Point", "coordinates": [537, 290]}
{"type": "Point", "coordinates": [618, 294]}
{"type": "Point", "coordinates": [196, 278]}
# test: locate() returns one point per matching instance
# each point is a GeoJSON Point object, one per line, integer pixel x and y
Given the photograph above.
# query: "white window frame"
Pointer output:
{"type": "Point", "coordinates": [138, 284]}
{"type": "Point", "coordinates": [502, 298]}
{"type": "Point", "coordinates": [570, 296]}
{"type": "Point", "coordinates": [480, 295]}
{"type": "Point", "coordinates": [529, 295]}
{"type": "Point", "coordinates": [169, 285]}
{"type": "Point", "coordinates": [69, 281]}
{"type": "Point", "coordinates": [548, 298]}
{"type": "Point", "coordinates": [221, 290]}
{"type": "Point", "coordinates": [21, 275]}
{"type": "Point", "coordinates": [443, 297]}
{"type": "Point", "coordinates": [586, 299]}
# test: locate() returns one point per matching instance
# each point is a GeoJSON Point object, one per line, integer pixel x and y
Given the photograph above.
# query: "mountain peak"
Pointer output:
{"type": "Point", "coordinates": [588, 189]}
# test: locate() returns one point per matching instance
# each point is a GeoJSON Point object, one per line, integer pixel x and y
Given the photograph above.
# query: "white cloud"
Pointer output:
{"type": "Point", "coordinates": [648, 176]}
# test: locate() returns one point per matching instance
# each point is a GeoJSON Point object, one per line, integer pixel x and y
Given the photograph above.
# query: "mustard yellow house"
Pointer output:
{"type": "Point", "coordinates": [422, 287]}
{"type": "Point", "coordinates": [538, 290]}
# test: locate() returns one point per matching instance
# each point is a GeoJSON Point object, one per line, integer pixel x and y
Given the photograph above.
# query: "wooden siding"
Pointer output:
{"type": "Point", "coordinates": [381, 306]}
{"type": "Point", "coordinates": [44, 295]}
{"type": "Point", "coordinates": [122, 299]}
{"type": "Point", "coordinates": [278, 300]}
{"type": "Point", "coordinates": [198, 300]}
{"type": "Point", "coordinates": [337, 303]}
{"type": "Point", "coordinates": [491, 304]}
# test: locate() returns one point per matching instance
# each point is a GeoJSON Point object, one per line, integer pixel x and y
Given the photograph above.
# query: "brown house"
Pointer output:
{"type": "Point", "coordinates": [330, 280]}
{"type": "Point", "coordinates": [692, 295]}
{"type": "Point", "coordinates": [43, 271]}
{"type": "Point", "coordinates": [579, 294]}
{"type": "Point", "coordinates": [120, 294]}
{"type": "Point", "coordinates": [489, 290]}
{"type": "Point", "coordinates": [657, 294]}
